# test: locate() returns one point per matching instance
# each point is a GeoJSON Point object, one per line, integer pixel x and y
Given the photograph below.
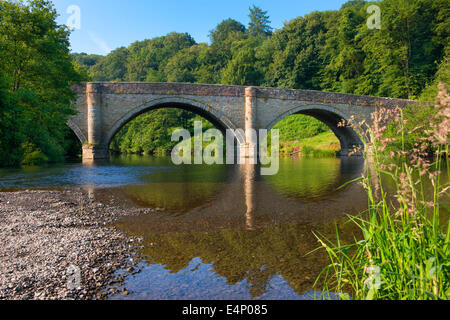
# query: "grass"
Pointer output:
{"type": "Point", "coordinates": [306, 136]}
{"type": "Point", "coordinates": [298, 125]}
{"type": "Point", "coordinates": [405, 250]}
{"type": "Point", "coordinates": [323, 145]}
{"type": "Point", "coordinates": [400, 257]}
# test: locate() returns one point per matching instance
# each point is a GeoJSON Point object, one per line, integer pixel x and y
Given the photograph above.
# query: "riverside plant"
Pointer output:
{"type": "Point", "coordinates": [405, 251]}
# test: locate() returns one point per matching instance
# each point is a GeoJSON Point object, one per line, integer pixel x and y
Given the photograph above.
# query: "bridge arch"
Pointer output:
{"type": "Point", "coordinates": [76, 129]}
{"type": "Point", "coordinates": [219, 120]}
{"type": "Point", "coordinates": [331, 117]}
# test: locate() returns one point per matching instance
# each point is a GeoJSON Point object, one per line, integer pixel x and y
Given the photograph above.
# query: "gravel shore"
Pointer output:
{"type": "Point", "coordinates": [43, 233]}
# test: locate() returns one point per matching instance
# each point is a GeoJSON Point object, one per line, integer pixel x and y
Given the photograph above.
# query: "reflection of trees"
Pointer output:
{"type": "Point", "coordinates": [306, 178]}
{"type": "Point", "coordinates": [173, 196]}
{"type": "Point", "coordinates": [237, 255]}
{"type": "Point", "coordinates": [182, 188]}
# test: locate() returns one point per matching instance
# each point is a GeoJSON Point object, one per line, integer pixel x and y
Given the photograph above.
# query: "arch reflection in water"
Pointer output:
{"type": "Point", "coordinates": [249, 239]}
{"type": "Point", "coordinates": [313, 178]}
{"type": "Point", "coordinates": [268, 262]}
{"type": "Point", "coordinates": [232, 190]}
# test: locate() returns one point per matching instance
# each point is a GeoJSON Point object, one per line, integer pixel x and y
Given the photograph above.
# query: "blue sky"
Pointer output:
{"type": "Point", "coordinates": [109, 24]}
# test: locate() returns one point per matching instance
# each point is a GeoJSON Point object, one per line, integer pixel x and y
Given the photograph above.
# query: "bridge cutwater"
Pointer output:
{"type": "Point", "coordinates": [105, 107]}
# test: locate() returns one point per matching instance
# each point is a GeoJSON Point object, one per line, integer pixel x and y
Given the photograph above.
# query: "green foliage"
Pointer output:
{"type": "Point", "coordinates": [296, 61]}
{"type": "Point", "coordinates": [151, 133]}
{"type": "Point", "coordinates": [403, 54]}
{"type": "Point", "coordinates": [402, 256]}
{"type": "Point", "coordinates": [417, 117]}
{"type": "Point", "coordinates": [224, 29]}
{"type": "Point", "coordinates": [37, 74]}
{"type": "Point", "coordinates": [299, 126]}
{"type": "Point", "coordinates": [190, 65]}
{"type": "Point", "coordinates": [11, 128]}
{"type": "Point", "coordinates": [317, 153]}
{"type": "Point", "coordinates": [112, 67]}
{"type": "Point", "coordinates": [442, 75]}
{"type": "Point", "coordinates": [345, 59]}
{"type": "Point", "coordinates": [243, 69]}
{"type": "Point", "coordinates": [88, 61]}
{"type": "Point", "coordinates": [259, 23]}
{"type": "Point", "coordinates": [33, 155]}
{"type": "Point", "coordinates": [223, 37]}
{"type": "Point", "coordinates": [323, 145]}
{"type": "Point", "coordinates": [154, 54]}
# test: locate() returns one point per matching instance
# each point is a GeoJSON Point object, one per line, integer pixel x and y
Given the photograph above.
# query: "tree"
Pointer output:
{"type": "Point", "coordinates": [112, 67]}
{"type": "Point", "coordinates": [87, 60]}
{"type": "Point", "coordinates": [243, 68]}
{"type": "Point", "coordinates": [151, 132]}
{"type": "Point", "coordinates": [224, 29]}
{"type": "Point", "coordinates": [259, 22]}
{"type": "Point", "coordinates": [154, 54]}
{"type": "Point", "coordinates": [223, 36]}
{"type": "Point", "coordinates": [342, 51]}
{"type": "Point", "coordinates": [35, 55]}
{"type": "Point", "coordinates": [12, 127]}
{"type": "Point", "coordinates": [296, 53]}
{"type": "Point", "coordinates": [402, 57]}
{"type": "Point", "coordinates": [190, 65]}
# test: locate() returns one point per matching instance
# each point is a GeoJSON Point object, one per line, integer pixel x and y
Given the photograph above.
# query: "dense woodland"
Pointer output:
{"type": "Point", "coordinates": [328, 51]}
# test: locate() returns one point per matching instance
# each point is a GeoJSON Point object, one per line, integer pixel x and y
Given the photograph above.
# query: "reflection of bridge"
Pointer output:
{"type": "Point", "coordinates": [104, 108]}
{"type": "Point", "coordinates": [244, 200]}
{"type": "Point", "coordinates": [251, 233]}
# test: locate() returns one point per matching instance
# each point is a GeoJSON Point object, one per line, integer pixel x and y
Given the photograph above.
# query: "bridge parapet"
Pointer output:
{"type": "Point", "coordinates": [239, 91]}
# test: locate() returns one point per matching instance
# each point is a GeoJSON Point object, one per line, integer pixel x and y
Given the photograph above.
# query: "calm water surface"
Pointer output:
{"type": "Point", "coordinates": [222, 232]}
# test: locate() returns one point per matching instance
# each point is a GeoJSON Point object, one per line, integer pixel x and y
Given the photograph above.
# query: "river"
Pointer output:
{"type": "Point", "coordinates": [221, 232]}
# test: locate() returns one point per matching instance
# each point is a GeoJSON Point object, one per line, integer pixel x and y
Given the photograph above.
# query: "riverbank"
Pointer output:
{"type": "Point", "coordinates": [45, 232]}
{"type": "Point", "coordinates": [322, 145]}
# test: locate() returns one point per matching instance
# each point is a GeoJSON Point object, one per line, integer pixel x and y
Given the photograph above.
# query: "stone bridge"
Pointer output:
{"type": "Point", "coordinates": [104, 108]}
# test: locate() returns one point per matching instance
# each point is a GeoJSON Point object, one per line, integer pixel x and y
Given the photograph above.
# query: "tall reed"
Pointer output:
{"type": "Point", "coordinates": [405, 251]}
